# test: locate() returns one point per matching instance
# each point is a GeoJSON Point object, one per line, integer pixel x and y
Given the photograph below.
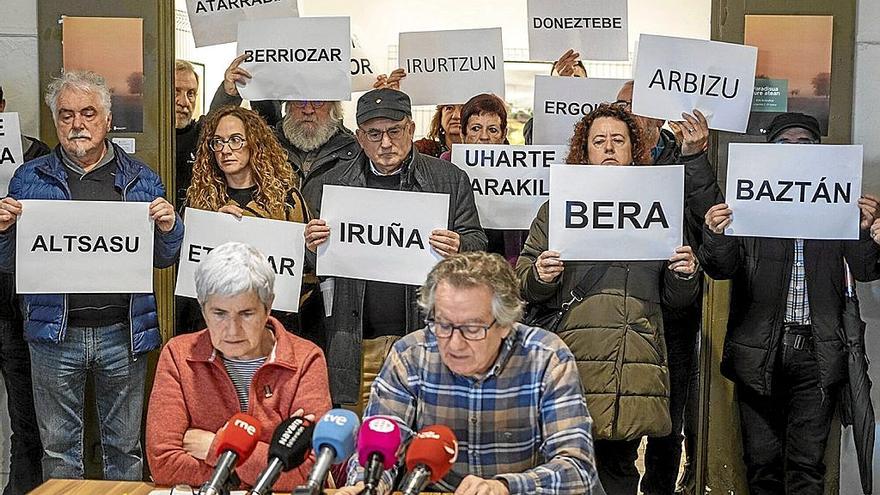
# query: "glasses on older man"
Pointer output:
{"type": "Point", "coordinates": [303, 103]}
{"type": "Point", "coordinates": [375, 135]}
{"type": "Point", "coordinates": [470, 332]}
{"type": "Point", "coordinates": [235, 143]}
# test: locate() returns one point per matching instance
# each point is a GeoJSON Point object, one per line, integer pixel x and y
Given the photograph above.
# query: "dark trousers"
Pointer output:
{"type": "Point", "coordinates": [663, 454]}
{"type": "Point", "coordinates": [25, 472]}
{"type": "Point", "coordinates": [784, 434]}
{"type": "Point", "coordinates": [616, 464]}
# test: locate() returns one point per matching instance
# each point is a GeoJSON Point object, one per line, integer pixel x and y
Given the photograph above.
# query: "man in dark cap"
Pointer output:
{"type": "Point", "coordinates": [784, 348]}
{"type": "Point", "coordinates": [368, 316]}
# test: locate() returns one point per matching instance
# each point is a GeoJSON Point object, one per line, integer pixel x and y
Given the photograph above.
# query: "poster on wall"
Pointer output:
{"type": "Point", "coordinates": [114, 48]}
{"type": "Point", "coordinates": [794, 67]}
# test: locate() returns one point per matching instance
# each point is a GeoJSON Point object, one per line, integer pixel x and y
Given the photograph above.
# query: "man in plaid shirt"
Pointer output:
{"type": "Point", "coordinates": [511, 393]}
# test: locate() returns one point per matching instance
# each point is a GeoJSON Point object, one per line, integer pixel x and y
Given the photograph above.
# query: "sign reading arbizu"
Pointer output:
{"type": "Point", "coordinates": [380, 235]}
{"type": "Point", "coordinates": [451, 66]}
{"type": "Point", "coordinates": [510, 182]}
{"type": "Point", "coordinates": [805, 192]}
{"type": "Point", "coordinates": [597, 29]}
{"type": "Point", "coordinates": [297, 58]}
{"type": "Point", "coordinates": [11, 153]}
{"type": "Point", "coordinates": [282, 243]}
{"type": "Point", "coordinates": [560, 102]}
{"type": "Point", "coordinates": [607, 213]}
{"type": "Point", "coordinates": [215, 21]}
{"type": "Point", "coordinates": [675, 75]}
{"type": "Point", "coordinates": [83, 246]}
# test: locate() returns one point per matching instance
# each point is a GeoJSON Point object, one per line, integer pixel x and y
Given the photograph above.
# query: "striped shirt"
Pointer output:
{"type": "Point", "coordinates": [241, 372]}
{"type": "Point", "coordinates": [797, 304]}
{"type": "Point", "coordinates": [525, 421]}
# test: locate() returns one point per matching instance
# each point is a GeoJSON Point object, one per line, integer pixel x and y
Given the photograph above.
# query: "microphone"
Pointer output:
{"type": "Point", "coordinates": [377, 442]}
{"type": "Point", "coordinates": [430, 456]}
{"type": "Point", "coordinates": [333, 441]}
{"type": "Point", "coordinates": [288, 449]}
{"type": "Point", "coordinates": [237, 440]}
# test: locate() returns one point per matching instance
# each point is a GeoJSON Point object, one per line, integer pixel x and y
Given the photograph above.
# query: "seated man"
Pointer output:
{"type": "Point", "coordinates": [527, 429]}
{"type": "Point", "coordinates": [244, 361]}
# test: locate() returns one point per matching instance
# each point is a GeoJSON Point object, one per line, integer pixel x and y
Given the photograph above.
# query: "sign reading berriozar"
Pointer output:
{"type": "Point", "coordinates": [215, 21]}
{"type": "Point", "coordinates": [804, 191]}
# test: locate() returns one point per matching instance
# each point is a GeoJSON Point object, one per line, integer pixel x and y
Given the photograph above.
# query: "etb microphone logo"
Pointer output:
{"type": "Point", "coordinates": [381, 425]}
{"type": "Point", "coordinates": [244, 425]}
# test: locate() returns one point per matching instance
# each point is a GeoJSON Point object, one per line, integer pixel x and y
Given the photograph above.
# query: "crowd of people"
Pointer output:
{"type": "Point", "coordinates": [558, 410]}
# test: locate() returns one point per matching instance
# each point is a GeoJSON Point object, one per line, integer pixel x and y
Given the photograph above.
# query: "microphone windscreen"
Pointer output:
{"type": "Point", "coordinates": [291, 441]}
{"type": "Point", "coordinates": [337, 429]}
{"type": "Point", "coordinates": [240, 435]}
{"type": "Point", "coordinates": [434, 446]}
{"type": "Point", "coordinates": [379, 434]}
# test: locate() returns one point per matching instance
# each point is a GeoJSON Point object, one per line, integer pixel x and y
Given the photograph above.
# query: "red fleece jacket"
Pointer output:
{"type": "Point", "coordinates": [192, 390]}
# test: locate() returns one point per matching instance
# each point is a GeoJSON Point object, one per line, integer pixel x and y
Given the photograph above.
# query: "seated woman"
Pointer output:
{"type": "Point", "coordinates": [616, 331]}
{"type": "Point", "coordinates": [244, 361]}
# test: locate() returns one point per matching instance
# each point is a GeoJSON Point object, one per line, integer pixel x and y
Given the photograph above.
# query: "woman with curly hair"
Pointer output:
{"type": "Point", "coordinates": [241, 169]}
{"type": "Point", "coordinates": [616, 329]}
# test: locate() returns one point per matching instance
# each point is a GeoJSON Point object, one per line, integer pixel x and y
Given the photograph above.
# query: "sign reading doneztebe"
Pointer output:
{"type": "Point", "coordinates": [597, 29]}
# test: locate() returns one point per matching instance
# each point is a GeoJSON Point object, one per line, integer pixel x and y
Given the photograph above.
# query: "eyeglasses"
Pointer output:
{"type": "Point", "coordinates": [303, 103]}
{"type": "Point", "coordinates": [796, 141]}
{"type": "Point", "coordinates": [235, 143]}
{"type": "Point", "coordinates": [375, 135]}
{"type": "Point", "coordinates": [469, 332]}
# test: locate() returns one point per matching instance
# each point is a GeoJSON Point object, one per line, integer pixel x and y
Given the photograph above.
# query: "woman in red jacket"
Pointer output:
{"type": "Point", "coordinates": [244, 361]}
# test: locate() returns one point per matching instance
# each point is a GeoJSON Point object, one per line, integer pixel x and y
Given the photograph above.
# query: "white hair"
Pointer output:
{"type": "Point", "coordinates": [235, 268]}
{"type": "Point", "coordinates": [83, 81]}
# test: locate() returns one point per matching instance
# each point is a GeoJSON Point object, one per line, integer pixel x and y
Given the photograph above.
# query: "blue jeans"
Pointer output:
{"type": "Point", "coordinates": [59, 373]}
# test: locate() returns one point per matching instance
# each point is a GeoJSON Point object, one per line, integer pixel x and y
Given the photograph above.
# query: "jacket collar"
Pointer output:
{"type": "Point", "coordinates": [282, 354]}
{"type": "Point", "coordinates": [127, 170]}
{"type": "Point", "coordinates": [413, 171]}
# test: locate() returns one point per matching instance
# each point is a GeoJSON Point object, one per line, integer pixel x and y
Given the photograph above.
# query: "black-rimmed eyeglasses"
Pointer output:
{"type": "Point", "coordinates": [469, 332]}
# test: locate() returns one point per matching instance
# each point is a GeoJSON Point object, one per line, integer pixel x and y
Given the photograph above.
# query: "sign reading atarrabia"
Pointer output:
{"type": "Point", "coordinates": [215, 21]}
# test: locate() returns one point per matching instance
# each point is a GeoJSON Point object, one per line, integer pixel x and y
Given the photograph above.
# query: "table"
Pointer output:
{"type": "Point", "coordinates": [95, 487]}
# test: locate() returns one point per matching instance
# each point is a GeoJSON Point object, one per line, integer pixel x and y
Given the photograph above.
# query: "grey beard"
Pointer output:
{"type": "Point", "coordinates": [306, 140]}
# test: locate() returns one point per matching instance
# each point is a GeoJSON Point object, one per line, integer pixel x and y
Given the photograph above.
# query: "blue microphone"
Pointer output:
{"type": "Point", "coordinates": [333, 442]}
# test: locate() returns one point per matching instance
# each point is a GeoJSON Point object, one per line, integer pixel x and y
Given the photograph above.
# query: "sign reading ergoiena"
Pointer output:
{"type": "Point", "coordinates": [597, 29]}
{"type": "Point", "coordinates": [675, 75]}
{"type": "Point", "coordinates": [215, 21]}
{"type": "Point", "coordinates": [83, 246]}
{"type": "Point", "coordinates": [804, 191]}
{"type": "Point", "coordinates": [387, 240]}
{"type": "Point", "coordinates": [282, 243]}
{"type": "Point", "coordinates": [11, 149]}
{"type": "Point", "coordinates": [560, 102]}
{"type": "Point", "coordinates": [510, 182]}
{"type": "Point", "coordinates": [297, 58]}
{"type": "Point", "coordinates": [606, 213]}
{"type": "Point", "coordinates": [448, 67]}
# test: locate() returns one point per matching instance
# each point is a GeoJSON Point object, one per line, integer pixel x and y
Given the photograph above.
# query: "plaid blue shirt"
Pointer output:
{"type": "Point", "coordinates": [525, 421]}
{"type": "Point", "coordinates": [797, 303]}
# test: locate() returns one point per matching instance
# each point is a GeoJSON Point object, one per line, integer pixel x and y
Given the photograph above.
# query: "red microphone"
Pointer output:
{"type": "Point", "coordinates": [430, 456]}
{"type": "Point", "coordinates": [235, 443]}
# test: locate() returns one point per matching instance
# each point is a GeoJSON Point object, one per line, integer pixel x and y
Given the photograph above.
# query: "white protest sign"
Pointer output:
{"type": "Point", "coordinates": [363, 67]}
{"type": "Point", "coordinates": [803, 191]}
{"type": "Point", "coordinates": [297, 58]}
{"type": "Point", "coordinates": [281, 242]}
{"type": "Point", "coordinates": [560, 102]}
{"type": "Point", "coordinates": [607, 213]}
{"type": "Point", "coordinates": [449, 67]}
{"type": "Point", "coordinates": [597, 29]}
{"type": "Point", "coordinates": [675, 75]}
{"type": "Point", "coordinates": [11, 153]}
{"type": "Point", "coordinates": [83, 246]}
{"type": "Point", "coordinates": [381, 235]}
{"type": "Point", "coordinates": [510, 182]}
{"type": "Point", "coordinates": [215, 21]}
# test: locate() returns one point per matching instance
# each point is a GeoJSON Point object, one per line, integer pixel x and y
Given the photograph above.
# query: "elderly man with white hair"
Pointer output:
{"type": "Point", "coordinates": [74, 336]}
{"type": "Point", "coordinates": [245, 361]}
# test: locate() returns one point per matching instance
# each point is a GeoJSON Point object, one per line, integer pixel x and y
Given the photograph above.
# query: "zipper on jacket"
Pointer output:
{"type": "Point", "coordinates": [616, 418]}
{"type": "Point", "coordinates": [131, 296]}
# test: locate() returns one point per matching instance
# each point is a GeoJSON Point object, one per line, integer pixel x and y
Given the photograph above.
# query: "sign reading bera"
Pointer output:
{"type": "Point", "coordinates": [675, 75]}
{"type": "Point", "coordinates": [298, 58]}
{"type": "Point", "coordinates": [387, 241]}
{"type": "Point", "coordinates": [282, 243]}
{"type": "Point", "coordinates": [597, 29]}
{"type": "Point", "coordinates": [215, 21]}
{"type": "Point", "coordinates": [11, 153]}
{"type": "Point", "coordinates": [510, 182]}
{"type": "Point", "coordinates": [605, 213]}
{"type": "Point", "coordinates": [806, 191]}
{"type": "Point", "coordinates": [83, 246]}
{"type": "Point", "coordinates": [451, 66]}
{"type": "Point", "coordinates": [560, 102]}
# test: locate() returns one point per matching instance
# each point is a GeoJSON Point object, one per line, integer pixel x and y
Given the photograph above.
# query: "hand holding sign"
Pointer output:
{"type": "Point", "coordinates": [718, 218]}
{"type": "Point", "coordinates": [10, 209]}
{"type": "Point", "coordinates": [163, 214]}
{"type": "Point", "coordinates": [232, 210]}
{"type": "Point", "coordinates": [693, 132]}
{"type": "Point", "coordinates": [392, 81]}
{"type": "Point", "coordinates": [567, 63]}
{"type": "Point", "coordinates": [549, 266]}
{"type": "Point", "coordinates": [683, 261]}
{"type": "Point", "coordinates": [868, 205]}
{"type": "Point", "coordinates": [317, 231]}
{"type": "Point", "coordinates": [445, 242]}
{"type": "Point", "coordinates": [235, 75]}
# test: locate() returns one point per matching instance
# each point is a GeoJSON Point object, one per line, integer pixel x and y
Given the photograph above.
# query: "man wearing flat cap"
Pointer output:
{"type": "Point", "coordinates": [368, 316]}
{"type": "Point", "coordinates": [784, 347]}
